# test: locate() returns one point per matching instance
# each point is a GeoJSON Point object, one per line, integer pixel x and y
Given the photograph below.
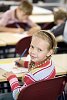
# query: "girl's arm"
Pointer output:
{"type": "Point", "coordinates": [14, 84]}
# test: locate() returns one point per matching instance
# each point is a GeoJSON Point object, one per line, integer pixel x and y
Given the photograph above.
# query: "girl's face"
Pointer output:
{"type": "Point", "coordinates": [38, 49]}
{"type": "Point", "coordinates": [21, 15]}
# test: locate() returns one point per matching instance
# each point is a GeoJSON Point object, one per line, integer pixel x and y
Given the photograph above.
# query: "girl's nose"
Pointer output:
{"type": "Point", "coordinates": [34, 51]}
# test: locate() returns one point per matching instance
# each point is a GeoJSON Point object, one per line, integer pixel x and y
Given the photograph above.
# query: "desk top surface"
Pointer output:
{"type": "Point", "coordinates": [2, 43]}
{"type": "Point", "coordinates": [7, 38]}
{"type": "Point", "coordinates": [60, 38]}
{"type": "Point", "coordinates": [10, 38]}
{"type": "Point", "coordinates": [60, 61]}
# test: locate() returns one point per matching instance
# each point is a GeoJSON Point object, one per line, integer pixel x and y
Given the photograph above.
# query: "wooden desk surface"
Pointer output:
{"type": "Point", "coordinates": [60, 61]}
{"type": "Point", "coordinates": [10, 38]}
{"type": "Point", "coordinates": [42, 18]}
{"type": "Point", "coordinates": [6, 61]}
{"type": "Point", "coordinates": [59, 38]}
{"type": "Point", "coordinates": [7, 38]}
{"type": "Point", "coordinates": [2, 43]}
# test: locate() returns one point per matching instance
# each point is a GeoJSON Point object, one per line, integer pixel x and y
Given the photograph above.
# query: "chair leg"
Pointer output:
{"type": "Point", "coordinates": [63, 94]}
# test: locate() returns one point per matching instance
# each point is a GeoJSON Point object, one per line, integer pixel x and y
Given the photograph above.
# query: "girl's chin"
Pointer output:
{"type": "Point", "coordinates": [34, 59]}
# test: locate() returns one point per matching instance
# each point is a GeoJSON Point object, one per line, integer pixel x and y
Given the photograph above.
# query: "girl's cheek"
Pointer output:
{"type": "Point", "coordinates": [29, 50]}
{"type": "Point", "coordinates": [42, 55]}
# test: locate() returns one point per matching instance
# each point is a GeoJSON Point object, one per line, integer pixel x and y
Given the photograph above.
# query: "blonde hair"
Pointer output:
{"type": "Point", "coordinates": [49, 37]}
{"type": "Point", "coordinates": [26, 7]}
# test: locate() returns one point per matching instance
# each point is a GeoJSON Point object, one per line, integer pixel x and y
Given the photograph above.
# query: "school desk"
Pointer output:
{"type": "Point", "coordinates": [10, 38]}
{"type": "Point", "coordinates": [2, 43]}
{"type": "Point", "coordinates": [8, 41]}
{"type": "Point", "coordinates": [60, 61]}
{"type": "Point", "coordinates": [60, 38]}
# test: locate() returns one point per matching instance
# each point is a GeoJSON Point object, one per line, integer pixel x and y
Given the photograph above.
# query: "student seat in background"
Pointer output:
{"type": "Point", "coordinates": [23, 45]}
{"type": "Point", "coordinates": [44, 90]}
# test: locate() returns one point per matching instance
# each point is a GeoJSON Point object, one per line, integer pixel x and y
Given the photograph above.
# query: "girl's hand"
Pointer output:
{"type": "Point", "coordinates": [20, 30]}
{"type": "Point", "coordinates": [8, 74]}
{"type": "Point", "coordinates": [19, 63]}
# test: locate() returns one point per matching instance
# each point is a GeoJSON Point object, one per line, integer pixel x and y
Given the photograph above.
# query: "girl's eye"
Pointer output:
{"type": "Point", "coordinates": [39, 50]}
{"type": "Point", "coordinates": [31, 46]}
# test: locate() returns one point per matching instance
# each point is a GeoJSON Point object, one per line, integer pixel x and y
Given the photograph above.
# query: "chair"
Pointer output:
{"type": "Point", "coordinates": [43, 90]}
{"type": "Point", "coordinates": [23, 45]}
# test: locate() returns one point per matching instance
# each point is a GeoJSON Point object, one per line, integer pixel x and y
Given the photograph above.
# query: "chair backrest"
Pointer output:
{"type": "Point", "coordinates": [23, 45]}
{"type": "Point", "coordinates": [43, 90]}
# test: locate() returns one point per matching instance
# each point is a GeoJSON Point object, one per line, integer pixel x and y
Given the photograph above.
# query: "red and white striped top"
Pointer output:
{"type": "Point", "coordinates": [43, 72]}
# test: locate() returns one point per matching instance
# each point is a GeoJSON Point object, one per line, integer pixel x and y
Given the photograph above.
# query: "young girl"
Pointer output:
{"type": "Point", "coordinates": [18, 15]}
{"type": "Point", "coordinates": [40, 67]}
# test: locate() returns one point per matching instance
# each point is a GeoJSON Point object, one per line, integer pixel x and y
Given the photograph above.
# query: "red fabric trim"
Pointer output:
{"type": "Point", "coordinates": [43, 65]}
{"type": "Point", "coordinates": [10, 77]}
{"type": "Point", "coordinates": [14, 86]}
{"type": "Point", "coordinates": [26, 64]}
{"type": "Point", "coordinates": [28, 80]}
{"type": "Point", "coordinates": [52, 75]}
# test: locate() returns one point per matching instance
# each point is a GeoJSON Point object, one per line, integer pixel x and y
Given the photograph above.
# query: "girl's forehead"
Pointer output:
{"type": "Point", "coordinates": [38, 39]}
{"type": "Point", "coordinates": [39, 42]}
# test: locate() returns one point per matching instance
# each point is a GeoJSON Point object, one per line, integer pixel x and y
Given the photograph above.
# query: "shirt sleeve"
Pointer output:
{"type": "Point", "coordinates": [58, 29]}
{"type": "Point", "coordinates": [14, 83]}
{"type": "Point", "coordinates": [15, 86]}
{"type": "Point", "coordinates": [5, 18]}
{"type": "Point", "coordinates": [26, 64]}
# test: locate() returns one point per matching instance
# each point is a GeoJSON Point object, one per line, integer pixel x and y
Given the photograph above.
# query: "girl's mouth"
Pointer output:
{"type": "Point", "coordinates": [33, 57]}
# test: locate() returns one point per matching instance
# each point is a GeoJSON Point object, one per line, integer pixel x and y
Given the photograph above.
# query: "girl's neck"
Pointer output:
{"type": "Point", "coordinates": [34, 65]}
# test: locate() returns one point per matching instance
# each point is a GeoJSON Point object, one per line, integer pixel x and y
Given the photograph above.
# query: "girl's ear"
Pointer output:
{"type": "Point", "coordinates": [50, 52]}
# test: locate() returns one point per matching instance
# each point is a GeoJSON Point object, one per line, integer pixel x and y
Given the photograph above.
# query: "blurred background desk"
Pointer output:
{"type": "Point", "coordinates": [60, 61]}
{"type": "Point", "coordinates": [8, 43]}
{"type": "Point", "coordinates": [62, 45]}
{"type": "Point", "coordinates": [11, 38]}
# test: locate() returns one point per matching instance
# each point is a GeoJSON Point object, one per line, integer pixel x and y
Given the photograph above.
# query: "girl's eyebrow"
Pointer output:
{"type": "Point", "coordinates": [40, 49]}
{"type": "Point", "coordinates": [36, 47]}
